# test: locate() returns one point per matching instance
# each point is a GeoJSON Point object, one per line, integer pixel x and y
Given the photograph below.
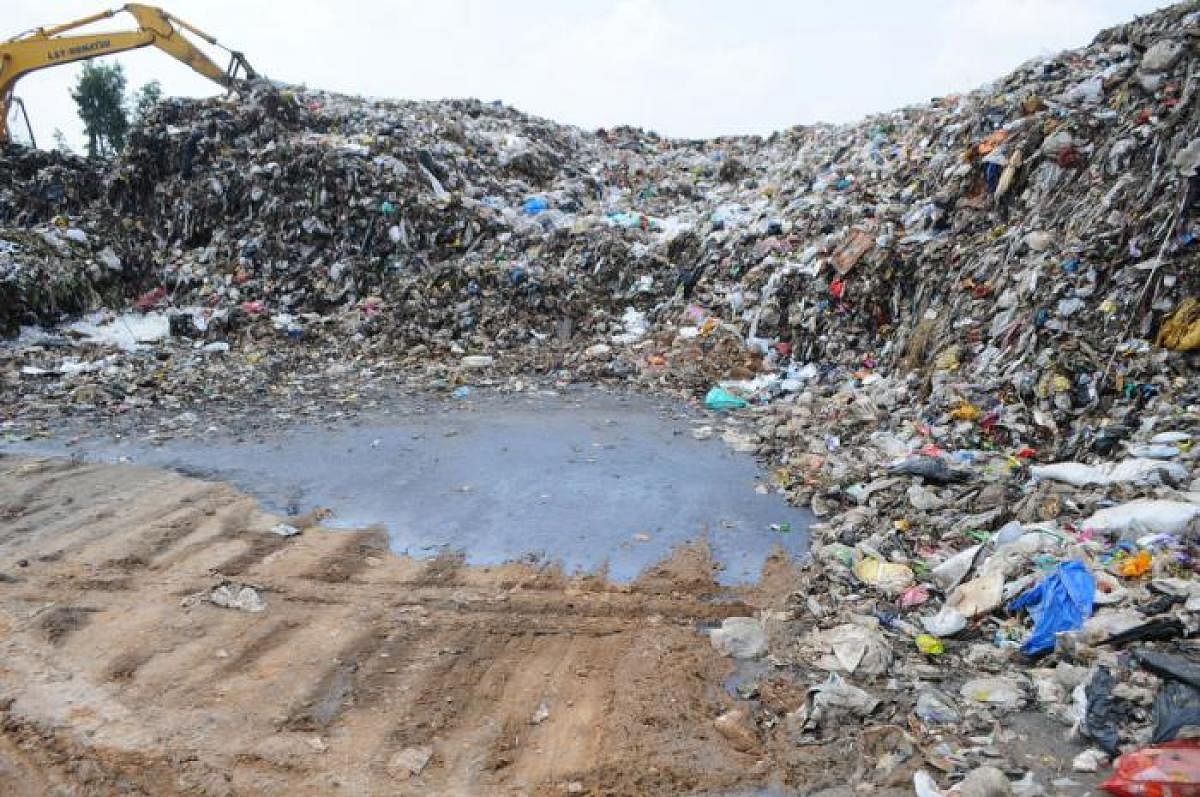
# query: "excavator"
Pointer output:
{"type": "Point", "coordinates": [41, 48]}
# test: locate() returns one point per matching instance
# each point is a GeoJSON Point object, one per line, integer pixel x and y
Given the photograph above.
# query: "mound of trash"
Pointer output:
{"type": "Point", "coordinates": [965, 333]}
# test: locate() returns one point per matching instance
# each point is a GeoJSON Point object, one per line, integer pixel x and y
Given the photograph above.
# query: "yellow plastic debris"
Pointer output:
{"type": "Point", "coordinates": [930, 645]}
{"type": "Point", "coordinates": [966, 412]}
{"type": "Point", "coordinates": [888, 577]}
{"type": "Point", "coordinates": [1181, 332]}
{"type": "Point", "coordinates": [947, 360]}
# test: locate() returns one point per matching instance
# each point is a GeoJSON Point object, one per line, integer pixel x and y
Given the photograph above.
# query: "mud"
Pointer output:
{"type": "Point", "coordinates": [594, 482]}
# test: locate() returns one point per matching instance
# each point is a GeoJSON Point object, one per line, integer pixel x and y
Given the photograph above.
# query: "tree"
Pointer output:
{"type": "Point", "coordinates": [100, 93]}
{"type": "Point", "coordinates": [142, 101]}
{"type": "Point", "coordinates": [60, 142]}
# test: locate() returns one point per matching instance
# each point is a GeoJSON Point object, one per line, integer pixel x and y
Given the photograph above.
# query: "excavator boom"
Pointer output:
{"type": "Point", "coordinates": [46, 47]}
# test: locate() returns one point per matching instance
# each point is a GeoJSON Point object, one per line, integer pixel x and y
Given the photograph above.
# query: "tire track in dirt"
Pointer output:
{"type": "Point", "coordinates": [515, 679]}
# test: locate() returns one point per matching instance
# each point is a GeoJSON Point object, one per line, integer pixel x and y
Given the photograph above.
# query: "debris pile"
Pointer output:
{"type": "Point", "coordinates": [965, 333]}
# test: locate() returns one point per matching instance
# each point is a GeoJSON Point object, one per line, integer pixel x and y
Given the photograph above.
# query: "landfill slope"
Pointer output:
{"type": "Point", "coordinates": [963, 333]}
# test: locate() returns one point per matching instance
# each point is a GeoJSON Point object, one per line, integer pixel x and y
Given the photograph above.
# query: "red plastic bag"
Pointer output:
{"type": "Point", "coordinates": [1165, 770]}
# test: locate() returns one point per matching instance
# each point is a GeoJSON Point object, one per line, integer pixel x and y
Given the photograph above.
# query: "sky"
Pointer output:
{"type": "Point", "coordinates": [687, 68]}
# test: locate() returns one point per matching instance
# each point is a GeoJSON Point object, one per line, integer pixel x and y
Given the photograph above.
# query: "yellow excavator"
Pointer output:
{"type": "Point", "coordinates": [46, 47]}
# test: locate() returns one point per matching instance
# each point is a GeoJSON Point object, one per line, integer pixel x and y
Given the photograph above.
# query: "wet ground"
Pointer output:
{"type": "Point", "coordinates": [594, 481]}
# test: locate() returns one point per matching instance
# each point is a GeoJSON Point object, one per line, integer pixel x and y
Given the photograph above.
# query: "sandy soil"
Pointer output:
{"type": "Point", "coordinates": [118, 676]}
{"type": "Point", "coordinates": [371, 674]}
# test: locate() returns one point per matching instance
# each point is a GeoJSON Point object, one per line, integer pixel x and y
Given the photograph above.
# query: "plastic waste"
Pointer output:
{"type": "Point", "coordinates": [998, 692]}
{"type": "Point", "coordinates": [931, 469]}
{"type": "Point", "coordinates": [1165, 770]}
{"type": "Point", "coordinates": [985, 781]}
{"type": "Point", "coordinates": [853, 649]}
{"type": "Point", "coordinates": [720, 399]}
{"type": "Point", "coordinates": [1090, 760]}
{"type": "Point", "coordinates": [1132, 471]}
{"type": "Point", "coordinates": [949, 573]}
{"type": "Point", "coordinates": [924, 785]}
{"type": "Point", "coordinates": [1154, 451]}
{"type": "Point", "coordinates": [1167, 666]}
{"type": "Point", "coordinates": [740, 638]}
{"type": "Point", "coordinates": [1102, 715]}
{"type": "Point", "coordinates": [1060, 602]}
{"type": "Point", "coordinates": [1145, 515]}
{"type": "Point", "coordinates": [929, 645]}
{"type": "Point", "coordinates": [913, 596]}
{"type": "Point", "coordinates": [534, 205]}
{"type": "Point", "coordinates": [1010, 532]}
{"type": "Point", "coordinates": [936, 707]}
{"type": "Point", "coordinates": [946, 622]}
{"type": "Point", "coordinates": [1177, 706]}
{"type": "Point", "coordinates": [836, 693]}
{"type": "Point", "coordinates": [1161, 629]}
{"type": "Point", "coordinates": [978, 596]}
{"type": "Point", "coordinates": [1181, 331]}
{"type": "Point", "coordinates": [889, 578]}
{"type": "Point", "coordinates": [1136, 565]}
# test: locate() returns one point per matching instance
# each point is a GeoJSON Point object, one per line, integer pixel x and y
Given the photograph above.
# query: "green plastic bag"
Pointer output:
{"type": "Point", "coordinates": [721, 399]}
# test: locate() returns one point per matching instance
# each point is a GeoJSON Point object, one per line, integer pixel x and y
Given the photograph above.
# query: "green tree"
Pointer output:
{"type": "Point", "coordinates": [60, 142]}
{"type": "Point", "coordinates": [142, 101]}
{"type": "Point", "coordinates": [100, 93]}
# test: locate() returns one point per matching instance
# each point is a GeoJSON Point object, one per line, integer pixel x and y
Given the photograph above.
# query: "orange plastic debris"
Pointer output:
{"type": "Point", "coordinates": [1135, 566]}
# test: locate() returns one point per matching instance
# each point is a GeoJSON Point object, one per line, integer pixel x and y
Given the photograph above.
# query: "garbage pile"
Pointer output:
{"type": "Point", "coordinates": [965, 333]}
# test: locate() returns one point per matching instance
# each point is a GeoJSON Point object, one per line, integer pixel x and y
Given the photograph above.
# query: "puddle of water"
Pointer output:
{"type": "Point", "coordinates": [588, 482]}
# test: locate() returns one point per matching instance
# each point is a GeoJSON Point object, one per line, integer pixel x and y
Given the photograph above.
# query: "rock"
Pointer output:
{"type": "Point", "coordinates": [740, 638]}
{"type": "Point", "coordinates": [736, 728]}
{"type": "Point", "coordinates": [237, 596]}
{"type": "Point", "coordinates": [410, 761]}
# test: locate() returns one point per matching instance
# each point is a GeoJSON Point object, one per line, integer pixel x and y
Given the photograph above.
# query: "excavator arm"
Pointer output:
{"type": "Point", "coordinates": [46, 47]}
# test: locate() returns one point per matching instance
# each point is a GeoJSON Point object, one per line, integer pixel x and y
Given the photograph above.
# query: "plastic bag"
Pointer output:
{"type": "Point", "coordinates": [1164, 665]}
{"type": "Point", "coordinates": [721, 399]}
{"type": "Point", "coordinates": [931, 470]}
{"type": "Point", "coordinates": [1156, 517]}
{"type": "Point", "coordinates": [1060, 602]}
{"type": "Point", "coordinates": [1101, 718]}
{"type": "Point", "coordinates": [1176, 707]}
{"type": "Point", "coordinates": [1135, 471]}
{"type": "Point", "coordinates": [1169, 769]}
{"type": "Point", "coordinates": [890, 578]}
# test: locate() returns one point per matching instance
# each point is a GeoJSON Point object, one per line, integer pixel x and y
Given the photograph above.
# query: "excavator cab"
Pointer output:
{"type": "Point", "coordinates": [42, 48]}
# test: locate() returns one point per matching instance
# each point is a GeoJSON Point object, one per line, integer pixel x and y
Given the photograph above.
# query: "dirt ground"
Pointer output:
{"type": "Point", "coordinates": [117, 676]}
{"type": "Point", "coordinates": [372, 674]}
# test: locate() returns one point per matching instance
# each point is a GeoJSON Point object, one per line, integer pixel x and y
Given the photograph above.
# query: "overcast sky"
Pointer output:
{"type": "Point", "coordinates": [689, 68]}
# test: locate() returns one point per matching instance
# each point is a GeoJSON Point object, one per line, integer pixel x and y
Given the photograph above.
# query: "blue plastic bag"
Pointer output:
{"type": "Point", "coordinates": [534, 205]}
{"type": "Point", "coordinates": [721, 399]}
{"type": "Point", "coordinates": [1060, 602]}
